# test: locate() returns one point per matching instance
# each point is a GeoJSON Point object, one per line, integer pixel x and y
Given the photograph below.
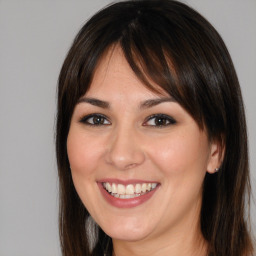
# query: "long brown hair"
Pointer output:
{"type": "Point", "coordinates": [171, 44]}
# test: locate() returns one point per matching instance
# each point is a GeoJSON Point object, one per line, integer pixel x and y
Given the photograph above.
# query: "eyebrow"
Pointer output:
{"type": "Point", "coordinates": [145, 104]}
{"type": "Point", "coordinates": [153, 102]}
{"type": "Point", "coordinates": [95, 102]}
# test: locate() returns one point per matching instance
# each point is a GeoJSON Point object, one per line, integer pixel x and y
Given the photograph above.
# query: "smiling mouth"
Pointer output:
{"type": "Point", "coordinates": [129, 191]}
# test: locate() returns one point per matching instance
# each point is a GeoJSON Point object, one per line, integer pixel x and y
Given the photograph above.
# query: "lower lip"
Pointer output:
{"type": "Point", "coordinates": [126, 203]}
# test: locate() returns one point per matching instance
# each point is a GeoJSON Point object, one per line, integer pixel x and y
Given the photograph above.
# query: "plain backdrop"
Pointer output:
{"type": "Point", "coordinates": [34, 38]}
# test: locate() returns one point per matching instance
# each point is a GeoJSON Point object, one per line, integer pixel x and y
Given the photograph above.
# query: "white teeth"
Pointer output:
{"type": "Point", "coordinates": [129, 191]}
{"type": "Point", "coordinates": [138, 188]}
{"type": "Point", "coordinates": [108, 187]}
{"type": "Point", "coordinates": [144, 187]}
{"type": "Point", "coordinates": [154, 185]}
{"type": "Point", "coordinates": [120, 189]}
{"type": "Point", "coordinates": [113, 188]}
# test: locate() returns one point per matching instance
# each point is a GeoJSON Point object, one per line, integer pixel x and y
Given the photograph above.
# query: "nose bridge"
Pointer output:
{"type": "Point", "coordinates": [125, 150]}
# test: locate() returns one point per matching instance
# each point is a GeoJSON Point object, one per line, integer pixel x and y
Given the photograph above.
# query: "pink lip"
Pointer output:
{"type": "Point", "coordinates": [125, 203]}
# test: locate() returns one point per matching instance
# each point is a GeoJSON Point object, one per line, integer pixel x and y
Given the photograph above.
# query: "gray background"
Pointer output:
{"type": "Point", "coordinates": [34, 38]}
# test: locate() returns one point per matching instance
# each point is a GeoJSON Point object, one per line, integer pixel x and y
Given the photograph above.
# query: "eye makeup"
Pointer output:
{"type": "Point", "coordinates": [159, 120]}
{"type": "Point", "coordinates": [95, 119]}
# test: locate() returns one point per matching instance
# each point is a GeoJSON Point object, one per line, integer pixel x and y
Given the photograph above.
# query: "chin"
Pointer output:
{"type": "Point", "coordinates": [131, 237]}
{"type": "Point", "coordinates": [128, 232]}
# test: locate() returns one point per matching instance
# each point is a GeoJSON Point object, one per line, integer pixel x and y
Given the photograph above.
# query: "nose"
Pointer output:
{"type": "Point", "coordinates": [125, 150]}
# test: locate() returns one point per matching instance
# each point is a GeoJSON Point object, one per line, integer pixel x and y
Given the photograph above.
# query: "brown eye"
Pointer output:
{"type": "Point", "coordinates": [159, 120]}
{"type": "Point", "coordinates": [95, 119]}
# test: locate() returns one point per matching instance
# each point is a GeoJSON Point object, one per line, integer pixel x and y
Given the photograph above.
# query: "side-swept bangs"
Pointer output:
{"type": "Point", "coordinates": [180, 52]}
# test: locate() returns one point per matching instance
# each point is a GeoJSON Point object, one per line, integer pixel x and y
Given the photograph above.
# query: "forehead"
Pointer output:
{"type": "Point", "coordinates": [114, 77]}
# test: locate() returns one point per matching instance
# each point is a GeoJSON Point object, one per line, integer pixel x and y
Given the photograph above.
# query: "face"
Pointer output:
{"type": "Point", "coordinates": [138, 159]}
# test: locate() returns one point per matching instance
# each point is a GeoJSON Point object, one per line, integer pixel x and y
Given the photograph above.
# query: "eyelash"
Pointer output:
{"type": "Point", "coordinates": [167, 120]}
{"type": "Point", "coordinates": [85, 119]}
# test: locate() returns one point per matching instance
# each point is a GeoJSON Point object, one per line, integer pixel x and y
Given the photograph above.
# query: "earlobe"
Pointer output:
{"type": "Point", "coordinates": [216, 169]}
{"type": "Point", "coordinates": [215, 158]}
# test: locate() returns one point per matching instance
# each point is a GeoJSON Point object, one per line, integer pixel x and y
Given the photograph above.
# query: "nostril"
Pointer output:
{"type": "Point", "coordinates": [129, 166]}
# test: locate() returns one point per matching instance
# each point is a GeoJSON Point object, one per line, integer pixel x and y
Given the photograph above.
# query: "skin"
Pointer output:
{"type": "Point", "coordinates": [129, 145]}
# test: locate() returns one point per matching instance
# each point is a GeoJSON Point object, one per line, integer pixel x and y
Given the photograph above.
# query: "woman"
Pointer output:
{"type": "Point", "coordinates": [151, 137]}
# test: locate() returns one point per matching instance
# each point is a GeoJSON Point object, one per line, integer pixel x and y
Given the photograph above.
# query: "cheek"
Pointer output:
{"type": "Point", "coordinates": [83, 158]}
{"type": "Point", "coordinates": [83, 152]}
{"type": "Point", "coordinates": [181, 154]}
{"type": "Point", "coordinates": [182, 161]}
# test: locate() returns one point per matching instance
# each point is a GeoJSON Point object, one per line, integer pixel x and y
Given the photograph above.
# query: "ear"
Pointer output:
{"type": "Point", "coordinates": [216, 156]}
